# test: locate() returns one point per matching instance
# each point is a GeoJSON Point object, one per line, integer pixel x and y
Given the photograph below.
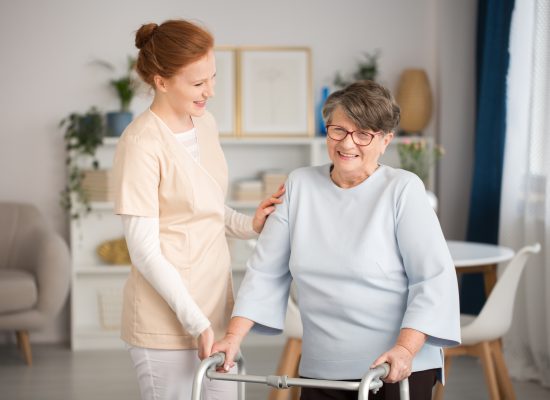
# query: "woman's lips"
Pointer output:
{"type": "Point", "coordinates": [346, 156]}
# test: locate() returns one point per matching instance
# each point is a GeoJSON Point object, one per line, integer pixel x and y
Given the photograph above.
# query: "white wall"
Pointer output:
{"type": "Point", "coordinates": [456, 113]}
{"type": "Point", "coordinates": [46, 48]}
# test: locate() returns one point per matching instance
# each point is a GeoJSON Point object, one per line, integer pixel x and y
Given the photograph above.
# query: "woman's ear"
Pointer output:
{"type": "Point", "coordinates": [160, 83]}
{"type": "Point", "coordinates": [388, 137]}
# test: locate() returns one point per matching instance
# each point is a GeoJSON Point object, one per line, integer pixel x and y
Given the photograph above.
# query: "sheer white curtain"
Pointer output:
{"type": "Point", "coordinates": [525, 202]}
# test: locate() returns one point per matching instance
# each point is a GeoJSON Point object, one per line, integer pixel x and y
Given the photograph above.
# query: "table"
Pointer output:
{"type": "Point", "coordinates": [471, 258]}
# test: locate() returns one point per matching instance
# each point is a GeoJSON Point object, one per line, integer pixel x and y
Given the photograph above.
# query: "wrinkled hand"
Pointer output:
{"type": "Point", "coordinates": [229, 345]}
{"type": "Point", "coordinates": [400, 360]}
{"type": "Point", "coordinates": [205, 341]}
{"type": "Point", "coordinates": [265, 208]}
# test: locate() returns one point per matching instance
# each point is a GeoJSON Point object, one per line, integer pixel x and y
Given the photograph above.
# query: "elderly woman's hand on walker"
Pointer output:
{"type": "Point", "coordinates": [400, 356]}
{"type": "Point", "coordinates": [231, 342]}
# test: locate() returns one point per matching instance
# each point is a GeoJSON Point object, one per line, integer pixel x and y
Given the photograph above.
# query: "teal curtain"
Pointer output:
{"type": "Point", "coordinates": [493, 31]}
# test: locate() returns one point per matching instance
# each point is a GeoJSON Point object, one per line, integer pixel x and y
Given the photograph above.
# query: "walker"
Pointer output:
{"type": "Point", "coordinates": [371, 380]}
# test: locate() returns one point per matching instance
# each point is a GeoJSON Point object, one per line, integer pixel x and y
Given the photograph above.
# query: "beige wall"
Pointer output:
{"type": "Point", "coordinates": [46, 48]}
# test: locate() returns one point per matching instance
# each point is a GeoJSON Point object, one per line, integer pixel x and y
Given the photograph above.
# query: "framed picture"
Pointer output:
{"type": "Point", "coordinates": [275, 96]}
{"type": "Point", "coordinates": [224, 103]}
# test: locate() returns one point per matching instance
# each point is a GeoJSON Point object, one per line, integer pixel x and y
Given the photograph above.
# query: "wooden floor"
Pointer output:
{"type": "Point", "coordinates": [59, 374]}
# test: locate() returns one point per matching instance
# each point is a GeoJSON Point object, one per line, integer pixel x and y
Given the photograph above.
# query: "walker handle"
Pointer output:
{"type": "Point", "coordinates": [208, 365]}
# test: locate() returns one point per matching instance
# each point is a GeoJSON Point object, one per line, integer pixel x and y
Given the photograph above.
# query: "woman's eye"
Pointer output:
{"type": "Point", "coordinates": [199, 84]}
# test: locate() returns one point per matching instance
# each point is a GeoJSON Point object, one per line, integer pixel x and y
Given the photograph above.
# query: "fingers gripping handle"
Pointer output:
{"type": "Point", "coordinates": [210, 363]}
{"type": "Point", "coordinates": [375, 374]}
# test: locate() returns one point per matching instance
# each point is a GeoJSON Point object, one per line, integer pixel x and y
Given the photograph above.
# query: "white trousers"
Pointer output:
{"type": "Point", "coordinates": [168, 375]}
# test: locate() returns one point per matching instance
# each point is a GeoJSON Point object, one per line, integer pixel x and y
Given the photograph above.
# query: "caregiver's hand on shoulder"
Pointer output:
{"type": "Point", "coordinates": [265, 208]}
{"type": "Point", "coordinates": [205, 342]}
{"type": "Point", "coordinates": [400, 360]}
{"type": "Point", "coordinates": [229, 345]}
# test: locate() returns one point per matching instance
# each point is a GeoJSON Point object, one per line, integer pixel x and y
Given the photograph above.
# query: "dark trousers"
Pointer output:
{"type": "Point", "coordinates": [420, 388]}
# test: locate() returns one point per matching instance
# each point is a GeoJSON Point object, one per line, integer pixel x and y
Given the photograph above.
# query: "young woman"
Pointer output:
{"type": "Point", "coordinates": [171, 183]}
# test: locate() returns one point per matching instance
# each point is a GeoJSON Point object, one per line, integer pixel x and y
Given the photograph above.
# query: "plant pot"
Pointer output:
{"type": "Point", "coordinates": [117, 121]}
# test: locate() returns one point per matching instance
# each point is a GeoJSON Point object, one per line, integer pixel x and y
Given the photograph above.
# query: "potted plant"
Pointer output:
{"type": "Point", "coordinates": [83, 134]}
{"type": "Point", "coordinates": [125, 87]}
{"type": "Point", "coordinates": [367, 69]}
{"type": "Point", "coordinates": [418, 156]}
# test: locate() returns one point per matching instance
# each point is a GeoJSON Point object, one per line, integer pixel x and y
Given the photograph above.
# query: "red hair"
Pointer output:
{"type": "Point", "coordinates": [164, 49]}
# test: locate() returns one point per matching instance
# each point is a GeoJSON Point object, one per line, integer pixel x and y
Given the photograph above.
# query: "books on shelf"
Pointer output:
{"type": "Point", "coordinates": [272, 180]}
{"type": "Point", "coordinates": [259, 189]}
{"type": "Point", "coordinates": [248, 190]}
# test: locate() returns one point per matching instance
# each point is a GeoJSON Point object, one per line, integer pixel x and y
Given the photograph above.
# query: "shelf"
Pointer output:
{"type": "Point", "coordinates": [110, 141]}
{"type": "Point", "coordinates": [243, 205]}
{"type": "Point", "coordinates": [229, 140]}
{"type": "Point", "coordinates": [109, 206]}
{"type": "Point", "coordinates": [226, 140]}
{"type": "Point", "coordinates": [103, 270]}
{"type": "Point", "coordinates": [102, 205]}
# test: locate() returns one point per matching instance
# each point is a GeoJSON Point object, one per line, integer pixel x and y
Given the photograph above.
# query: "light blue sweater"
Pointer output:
{"type": "Point", "coordinates": [367, 261]}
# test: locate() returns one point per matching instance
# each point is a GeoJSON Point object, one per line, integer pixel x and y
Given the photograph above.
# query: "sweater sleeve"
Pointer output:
{"type": "Point", "coordinates": [143, 242]}
{"type": "Point", "coordinates": [263, 294]}
{"type": "Point", "coordinates": [238, 225]}
{"type": "Point", "coordinates": [432, 303]}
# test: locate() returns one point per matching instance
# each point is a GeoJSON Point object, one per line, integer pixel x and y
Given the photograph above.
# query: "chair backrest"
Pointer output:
{"type": "Point", "coordinates": [495, 317]}
{"type": "Point", "coordinates": [18, 222]}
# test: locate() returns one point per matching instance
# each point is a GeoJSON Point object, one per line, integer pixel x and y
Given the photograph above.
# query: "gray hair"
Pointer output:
{"type": "Point", "coordinates": [367, 104]}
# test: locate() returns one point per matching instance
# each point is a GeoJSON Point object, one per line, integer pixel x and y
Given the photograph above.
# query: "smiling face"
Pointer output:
{"type": "Point", "coordinates": [351, 161]}
{"type": "Point", "coordinates": [187, 91]}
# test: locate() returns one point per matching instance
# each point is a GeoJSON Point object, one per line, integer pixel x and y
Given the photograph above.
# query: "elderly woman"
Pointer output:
{"type": "Point", "coordinates": [375, 279]}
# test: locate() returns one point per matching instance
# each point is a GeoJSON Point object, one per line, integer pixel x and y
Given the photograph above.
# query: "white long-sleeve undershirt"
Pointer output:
{"type": "Point", "coordinates": [142, 238]}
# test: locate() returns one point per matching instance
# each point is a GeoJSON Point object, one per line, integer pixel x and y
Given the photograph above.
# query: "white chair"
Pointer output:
{"type": "Point", "coordinates": [481, 334]}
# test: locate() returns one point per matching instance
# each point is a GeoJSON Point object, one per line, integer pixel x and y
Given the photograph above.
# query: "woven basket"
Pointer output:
{"type": "Point", "coordinates": [114, 252]}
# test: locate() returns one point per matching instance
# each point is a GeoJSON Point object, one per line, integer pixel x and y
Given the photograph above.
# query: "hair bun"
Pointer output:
{"type": "Point", "coordinates": [144, 34]}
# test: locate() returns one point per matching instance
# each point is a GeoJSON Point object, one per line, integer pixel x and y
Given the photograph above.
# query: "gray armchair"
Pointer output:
{"type": "Point", "coordinates": [34, 272]}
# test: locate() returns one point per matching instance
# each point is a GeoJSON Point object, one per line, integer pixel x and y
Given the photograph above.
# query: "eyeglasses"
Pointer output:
{"type": "Point", "coordinates": [359, 137]}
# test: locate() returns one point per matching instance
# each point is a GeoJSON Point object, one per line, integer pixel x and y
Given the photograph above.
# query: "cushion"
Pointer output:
{"type": "Point", "coordinates": [17, 290]}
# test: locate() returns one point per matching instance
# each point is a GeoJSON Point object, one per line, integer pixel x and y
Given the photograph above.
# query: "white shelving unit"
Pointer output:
{"type": "Point", "coordinates": [97, 287]}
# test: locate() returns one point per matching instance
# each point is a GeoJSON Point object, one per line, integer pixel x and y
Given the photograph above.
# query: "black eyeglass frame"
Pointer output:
{"type": "Point", "coordinates": [371, 135]}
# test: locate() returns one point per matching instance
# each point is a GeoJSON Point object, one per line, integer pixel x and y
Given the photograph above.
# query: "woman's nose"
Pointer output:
{"type": "Point", "coordinates": [209, 92]}
{"type": "Point", "coordinates": [348, 140]}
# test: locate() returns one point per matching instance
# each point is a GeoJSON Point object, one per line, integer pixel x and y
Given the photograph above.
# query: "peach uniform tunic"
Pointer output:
{"type": "Point", "coordinates": [156, 177]}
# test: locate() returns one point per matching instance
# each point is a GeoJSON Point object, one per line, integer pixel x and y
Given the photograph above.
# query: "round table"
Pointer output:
{"type": "Point", "coordinates": [471, 257]}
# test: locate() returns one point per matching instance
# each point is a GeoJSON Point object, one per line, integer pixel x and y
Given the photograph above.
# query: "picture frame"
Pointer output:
{"type": "Point", "coordinates": [275, 92]}
{"type": "Point", "coordinates": [223, 105]}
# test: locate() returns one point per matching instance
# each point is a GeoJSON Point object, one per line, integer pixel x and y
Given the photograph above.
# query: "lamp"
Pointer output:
{"type": "Point", "coordinates": [415, 100]}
